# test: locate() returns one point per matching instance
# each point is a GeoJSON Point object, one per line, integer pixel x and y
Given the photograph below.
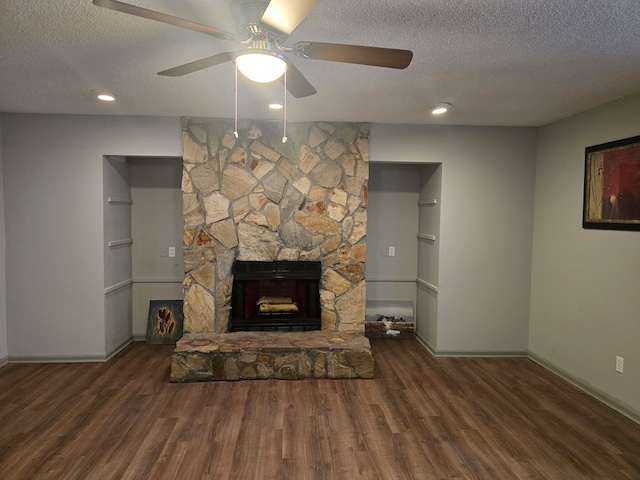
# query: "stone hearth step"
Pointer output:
{"type": "Point", "coordinates": [206, 357]}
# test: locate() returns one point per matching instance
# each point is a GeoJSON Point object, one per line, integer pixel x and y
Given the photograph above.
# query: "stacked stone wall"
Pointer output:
{"type": "Point", "coordinates": [256, 198]}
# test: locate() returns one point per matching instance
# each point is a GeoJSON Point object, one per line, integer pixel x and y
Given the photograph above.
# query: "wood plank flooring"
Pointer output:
{"type": "Point", "coordinates": [420, 418]}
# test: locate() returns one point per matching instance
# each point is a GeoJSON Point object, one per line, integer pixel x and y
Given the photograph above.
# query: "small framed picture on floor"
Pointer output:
{"type": "Point", "coordinates": [165, 322]}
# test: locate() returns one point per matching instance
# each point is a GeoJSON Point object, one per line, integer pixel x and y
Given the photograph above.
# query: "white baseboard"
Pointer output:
{"type": "Point", "coordinates": [480, 353]}
{"type": "Point", "coordinates": [469, 353]}
{"type": "Point", "coordinates": [88, 358]}
{"type": "Point", "coordinates": [602, 397]}
{"type": "Point", "coordinates": [85, 358]}
{"type": "Point", "coordinates": [119, 348]}
{"type": "Point", "coordinates": [423, 341]}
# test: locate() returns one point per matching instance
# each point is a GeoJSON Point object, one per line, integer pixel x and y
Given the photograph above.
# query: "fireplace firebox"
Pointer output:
{"type": "Point", "coordinates": [275, 296]}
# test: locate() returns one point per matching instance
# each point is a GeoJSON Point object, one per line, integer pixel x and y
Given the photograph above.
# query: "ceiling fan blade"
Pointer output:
{"type": "Point", "coordinates": [164, 18]}
{"type": "Point", "coordinates": [297, 84]}
{"type": "Point", "coordinates": [199, 65]}
{"type": "Point", "coordinates": [337, 52]}
{"type": "Point", "coordinates": [285, 15]}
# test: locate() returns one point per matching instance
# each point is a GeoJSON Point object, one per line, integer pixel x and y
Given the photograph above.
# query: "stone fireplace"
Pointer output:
{"type": "Point", "coordinates": [256, 200]}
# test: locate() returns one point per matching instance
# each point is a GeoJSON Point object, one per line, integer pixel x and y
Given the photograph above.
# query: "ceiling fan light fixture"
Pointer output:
{"type": "Point", "coordinates": [262, 66]}
{"type": "Point", "coordinates": [440, 108]}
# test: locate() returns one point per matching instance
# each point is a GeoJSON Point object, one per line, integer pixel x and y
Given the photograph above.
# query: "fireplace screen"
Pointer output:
{"type": "Point", "coordinates": [279, 295]}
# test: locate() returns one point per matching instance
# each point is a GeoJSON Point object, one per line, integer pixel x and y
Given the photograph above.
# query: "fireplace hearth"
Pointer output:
{"type": "Point", "coordinates": [275, 296]}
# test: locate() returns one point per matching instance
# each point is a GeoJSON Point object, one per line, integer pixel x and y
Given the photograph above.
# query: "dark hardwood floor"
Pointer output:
{"type": "Point", "coordinates": [420, 418]}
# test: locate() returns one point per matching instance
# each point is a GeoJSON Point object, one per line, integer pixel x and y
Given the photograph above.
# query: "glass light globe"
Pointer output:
{"type": "Point", "coordinates": [261, 67]}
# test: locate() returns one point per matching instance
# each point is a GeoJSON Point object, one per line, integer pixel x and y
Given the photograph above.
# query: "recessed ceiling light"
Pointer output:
{"type": "Point", "coordinates": [440, 108]}
{"type": "Point", "coordinates": [104, 96]}
{"type": "Point", "coordinates": [275, 106]}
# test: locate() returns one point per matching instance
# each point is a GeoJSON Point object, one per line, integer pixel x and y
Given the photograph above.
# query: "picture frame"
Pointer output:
{"type": "Point", "coordinates": [165, 322]}
{"type": "Point", "coordinates": [612, 185]}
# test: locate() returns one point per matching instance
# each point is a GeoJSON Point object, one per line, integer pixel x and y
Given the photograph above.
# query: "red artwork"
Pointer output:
{"type": "Point", "coordinates": [621, 184]}
{"type": "Point", "coordinates": [612, 185]}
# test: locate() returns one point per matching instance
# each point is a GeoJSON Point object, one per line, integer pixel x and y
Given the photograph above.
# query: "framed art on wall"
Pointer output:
{"type": "Point", "coordinates": [612, 185]}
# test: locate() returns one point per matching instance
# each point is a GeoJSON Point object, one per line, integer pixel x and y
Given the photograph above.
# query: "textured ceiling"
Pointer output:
{"type": "Point", "coordinates": [499, 62]}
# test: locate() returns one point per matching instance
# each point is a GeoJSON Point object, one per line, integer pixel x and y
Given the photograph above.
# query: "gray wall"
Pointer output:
{"type": "Point", "coordinates": [52, 167]}
{"type": "Point", "coordinates": [53, 177]}
{"type": "Point", "coordinates": [485, 230]}
{"type": "Point", "coordinates": [585, 299]}
{"type": "Point", "coordinates": [395, 218]}
{"type": "Point", "coordinates": [392, 220]}
{"type": "Point", "coordinates": [157, 225]}
{"type": "Point", "coordinates": [117, 252]}
{"type": "Point", "coordinates": [428, 255]}
{"type": "Point", "coordinates": [3, 284]}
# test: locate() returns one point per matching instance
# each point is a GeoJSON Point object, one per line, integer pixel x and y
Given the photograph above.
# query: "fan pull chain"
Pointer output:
{"type": "Point", "coordinates": [235, 101]}
{"type": "Point", "coordinates": [284, 103]}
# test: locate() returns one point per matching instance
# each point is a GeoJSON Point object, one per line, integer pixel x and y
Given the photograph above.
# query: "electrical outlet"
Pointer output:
{"type": "Point", "coordinates": [392, 251]}
{"type": "Point", "coordinates": [172, 251]}
{"type": "Point", "coordinates": [619, 364]}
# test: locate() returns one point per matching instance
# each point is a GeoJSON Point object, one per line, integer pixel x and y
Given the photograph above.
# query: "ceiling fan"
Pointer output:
{"type": "Point", "coordinates": [263, 26]}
